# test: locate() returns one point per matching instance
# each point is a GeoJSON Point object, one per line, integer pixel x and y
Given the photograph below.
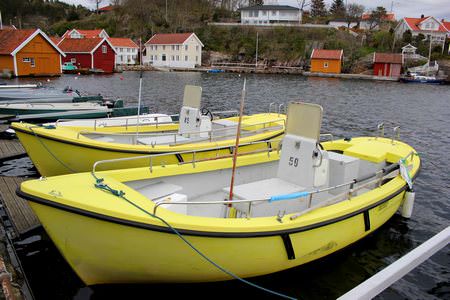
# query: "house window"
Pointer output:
{"type": "Point", "coordinates": [163, 57]}
{"type": "Point", "coordinates": [156, 57]}
{"type": "Point", "coordinates": [325, 64]}
{"type": "Point", "coordinates": [156, 47]}
{"type": "Point", "coordinates": [32, 62]}
{"type": "Point", "coordinates": [186, 47]}
{"type": "Point", "coordinates": [196, 58]}
{"type": "Point", "coordinates": [172, 58]}
{"type": "Point", "coordinates": [178, 57]}
{"type": "Point", "coordinates": [26, 59]}
{"type": "Point", "coordinates": [274, 12]}
{"type": "Point", "coordinates": [128, 50]}
{"type": "Point", "coordinates": [164, 47]}
{"type": "Point", "coordinates": [173, 47]}
{"type": "Point", "coordinates": [186, 58]}
{"type": "Point", "coordinates": [196, 48]}
{"type": "Point", "coordinates": [264, 13]}
{"type": "Point", "coordinates": [178, 47]}
{"type": "Point", "coordinates": [151, 57]}
{"type": "Point", "coordinates": [104, 49]}
{"type": "Point", "coordinates": [73, 60]}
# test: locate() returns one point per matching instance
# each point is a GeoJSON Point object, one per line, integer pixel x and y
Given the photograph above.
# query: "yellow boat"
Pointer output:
{"type": "Point", "coordinates": [57, 150]}
{"type": "Point", "coordinates": [287, 208]}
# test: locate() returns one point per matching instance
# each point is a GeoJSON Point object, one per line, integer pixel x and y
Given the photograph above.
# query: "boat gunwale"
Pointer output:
{"type": "Point", "coordinates": [150, 151]}
{"type": "Point", "coordinates": [165, 229]}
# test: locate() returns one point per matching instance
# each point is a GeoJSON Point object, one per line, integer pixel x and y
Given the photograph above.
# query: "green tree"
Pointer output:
{"type": "Point", "coordinates": [337, 9]}
{"type": "Point", "coordinates": [407, 37]}
{"type": "Point", "coordinates": [377, 17]}
{"type": "Point", "coordinates": [353, 13]}
{"type": "Point", "coordinates": [318, 8]}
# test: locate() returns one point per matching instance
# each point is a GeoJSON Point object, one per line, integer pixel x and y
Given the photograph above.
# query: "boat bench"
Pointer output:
{"type": "Point", "coordinates": [264, 189]}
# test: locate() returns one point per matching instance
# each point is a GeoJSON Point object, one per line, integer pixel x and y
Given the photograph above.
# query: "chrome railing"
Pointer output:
{"type": "Point", "coordinates": [151, 157]}
{"type": "Point", "coordinates": [212, 134]}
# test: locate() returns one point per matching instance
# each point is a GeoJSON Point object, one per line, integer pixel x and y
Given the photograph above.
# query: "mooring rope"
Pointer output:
{"type": "Point", "coordinates": [48, 150]}
{"type": "Point", "coordinates": [121, 194]}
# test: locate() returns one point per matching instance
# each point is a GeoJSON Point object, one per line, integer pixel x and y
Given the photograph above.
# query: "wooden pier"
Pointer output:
{"type": "Point", "coordinates": [20, 216]}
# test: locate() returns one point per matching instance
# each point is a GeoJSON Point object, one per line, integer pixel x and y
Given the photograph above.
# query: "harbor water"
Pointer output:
{"type": "Point", "coordinates": [351, 108]}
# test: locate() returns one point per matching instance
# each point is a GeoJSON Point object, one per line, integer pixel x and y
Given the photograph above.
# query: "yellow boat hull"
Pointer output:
{"type": "Point", "coordinates": [106, 239]}
{"type": "Point", "coordinates": [58, 151]}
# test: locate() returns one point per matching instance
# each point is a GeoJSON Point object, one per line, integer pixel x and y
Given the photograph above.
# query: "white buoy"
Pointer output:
{"type": "Point", "coordinates": [408, 204]}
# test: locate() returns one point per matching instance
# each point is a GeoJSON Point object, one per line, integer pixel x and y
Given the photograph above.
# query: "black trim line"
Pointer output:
{"type": "Point", "coordinates": [288, 245]}
{"type": "Point", "coordinates": [202, 233]}
{"type": "Point", "coordinates": [179, 158]}
{"type": "Point", "coordinates": [118, 150]}
{"type": "Point", "coordinates": [366, 220]}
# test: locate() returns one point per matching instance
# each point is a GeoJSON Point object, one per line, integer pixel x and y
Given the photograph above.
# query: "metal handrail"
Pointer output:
{"type": "Point", "coordinates": [210, 132]}
{"type": "Point", "coordinates": [151, 156]}
{"type": "Point", "coordinates": [310, 193]}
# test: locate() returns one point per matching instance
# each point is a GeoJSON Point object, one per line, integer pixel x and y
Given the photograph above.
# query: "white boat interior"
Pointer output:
{"type": "Point", "coordinates": [195, 125]}
{"type": "Point", "coordinates": [305, 173]}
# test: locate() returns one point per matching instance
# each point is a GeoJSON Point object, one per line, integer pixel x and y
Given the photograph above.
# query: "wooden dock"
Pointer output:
{"type": "Point", "coordinates": [19, 213]}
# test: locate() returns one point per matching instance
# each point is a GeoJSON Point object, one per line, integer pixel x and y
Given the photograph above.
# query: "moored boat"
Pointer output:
{"type": "Point", "coordinates": [57, 150]}
{"type": "Point", "coordinates": [287, 207]}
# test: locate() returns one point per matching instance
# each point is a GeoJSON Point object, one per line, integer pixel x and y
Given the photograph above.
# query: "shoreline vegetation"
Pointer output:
{"type": "Point", "coordinates": [281, 49]}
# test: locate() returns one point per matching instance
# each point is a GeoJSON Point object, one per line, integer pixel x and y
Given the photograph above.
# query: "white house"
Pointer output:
{"type": "Point", "coordinates": [368, 24]}
{"type": "Point", "coordinates": [270, 14]}
{"type": "Point", "coordinates": [177, 50]}
{"type": "Point", "coordinates": [428, 26]}
{"type": "Point", "coordinates": [126, 49]}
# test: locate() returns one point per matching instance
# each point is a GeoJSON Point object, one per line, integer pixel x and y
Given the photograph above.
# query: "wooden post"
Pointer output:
{"type": "Point", "coordinates": [238, 134]}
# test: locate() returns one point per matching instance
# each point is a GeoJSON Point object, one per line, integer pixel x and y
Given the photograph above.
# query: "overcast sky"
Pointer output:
{"type": "Point", "coordinates": [402, 8]}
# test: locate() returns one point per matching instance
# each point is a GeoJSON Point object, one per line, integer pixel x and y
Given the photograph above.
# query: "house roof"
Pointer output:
{"type": "Point", "coordinates": [414, 23]}
{"type": "Point", "coordinates": [11, 41]}
{"type": "Point", "coordinates": [10, 27]}
{"type": "Point", "coordinates": [56, 39]}
{"type": "Point", "coordinates": [390, 16]}
{"type": "Point", "coordinates": [123, 42]}
{"type": "Point", "coordinates": [69, 45]}
{"type": "Point", "coordinates": [169, 38]}
{"type": "Point", "coordinates": [446, 25]}
{"type": "Point", "coordinates": [88, 33]}
{"type": "Point", "coordinates": [393, 58]}
{"type": "Point", "coordinates": [327, 54]}
{"type": "Point", "coordinates": [106, 8]}
{"type": "Point", "coordinates": [270, 7]}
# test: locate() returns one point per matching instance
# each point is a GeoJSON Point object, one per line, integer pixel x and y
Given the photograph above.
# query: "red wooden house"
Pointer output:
{"type": "Point", "coordinates": [92, 53]}
{"type": "Point", "coordinates": [387, 64]}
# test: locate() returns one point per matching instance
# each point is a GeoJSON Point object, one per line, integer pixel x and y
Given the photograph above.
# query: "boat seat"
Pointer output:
{"type": "Point", "coordinates": [157, 190]}
{"type": "Point", "coordinates": [225, 123]}
{"type": "Point", "coordinates": [161, 140]}
{"type": "Point", "coordinates": [264, 189]}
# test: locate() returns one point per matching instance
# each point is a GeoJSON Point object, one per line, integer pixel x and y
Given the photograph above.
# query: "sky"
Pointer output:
{"type": "Point", "coordinates": [402, 8]}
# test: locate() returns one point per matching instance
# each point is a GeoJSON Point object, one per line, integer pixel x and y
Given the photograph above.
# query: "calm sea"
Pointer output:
{"type": "Point", "coordinates": [351, 108]}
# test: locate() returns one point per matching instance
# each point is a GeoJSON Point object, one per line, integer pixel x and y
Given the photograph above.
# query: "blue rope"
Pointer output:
{"type": "Point", "coordinates": [119, 193]}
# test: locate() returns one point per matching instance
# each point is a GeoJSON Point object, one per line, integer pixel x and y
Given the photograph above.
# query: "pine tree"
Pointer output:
{"type": "Point", "coordinates": [318, 8]}
{"type": "Point", "coordinates": [337, 9]}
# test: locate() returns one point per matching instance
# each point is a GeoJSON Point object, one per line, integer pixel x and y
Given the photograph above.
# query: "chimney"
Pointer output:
{"type": "Point", "coordinates": [422, 16]}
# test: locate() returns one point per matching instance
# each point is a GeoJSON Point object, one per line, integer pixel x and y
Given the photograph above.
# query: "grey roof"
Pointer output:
{"type": "Point", "coordinates": [270, 7]}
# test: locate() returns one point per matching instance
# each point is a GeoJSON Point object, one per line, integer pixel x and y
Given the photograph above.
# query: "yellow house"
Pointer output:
{"type": "Point", "coordinates": [327, 61]}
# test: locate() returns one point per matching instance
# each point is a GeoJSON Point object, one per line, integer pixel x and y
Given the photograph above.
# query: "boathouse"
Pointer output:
{"type": "Point", "coordinates": [95, 54]}
{"type": "Point", "coordinates": [387, 64]}
{"type": "Point", "coordinates": [327, 61]}
{"type": "Point", "coordinates": [29, 52]}
{"type": "Point", "coordinates": [178, 50]}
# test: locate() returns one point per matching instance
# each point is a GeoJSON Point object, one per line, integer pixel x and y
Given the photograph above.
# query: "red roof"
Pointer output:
{"type": "Point", "coordinates": [11, 39]}
{"type": "Point", "coordinates": [390, 16]}
{"type": "Point", "coordinates": [123, 42]}
{"type": "Point", "coordinates": [446, 25]}
{"type": "Point", "coordinates": [79, 45]}
{"type": "Point", "coordinates": [168, 38]}
{"type": "Point", "coordinates": [415, 22]}
{"type": "Point", "coordinates": [94, 33]}
{"type": "Point", "coordinates": [106, 8]}
{"type": "Point", "coordinates": [392, 58]}
{"type": "Point", "coordinates": [327, 54]}
{"type": "Point", "coordinates": [55, 39]}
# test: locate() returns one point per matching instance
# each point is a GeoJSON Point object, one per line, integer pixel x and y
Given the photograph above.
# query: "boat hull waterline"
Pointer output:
{"type": "Point", "coordinates": [105, 246]}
